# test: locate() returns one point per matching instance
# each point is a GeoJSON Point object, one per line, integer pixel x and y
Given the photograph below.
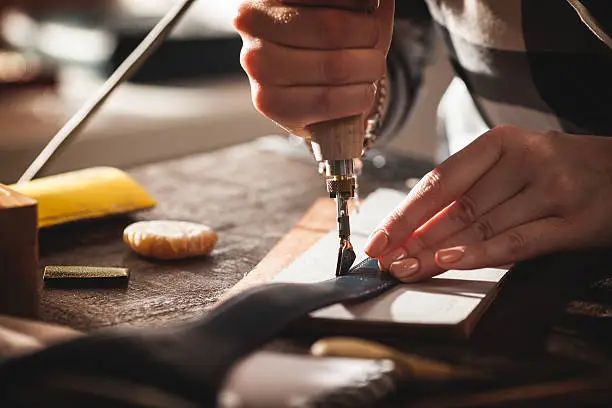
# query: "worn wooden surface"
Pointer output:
{"type": "Point", "coordinates": [253, 197]}
{"type": "Point", "coordinates": [249, 199]}
{"type": "Point", "coordinates": [248, 194]}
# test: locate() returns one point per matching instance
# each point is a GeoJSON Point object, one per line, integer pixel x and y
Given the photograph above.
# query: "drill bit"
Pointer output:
{"type": "Point", "coordinates": [341, 186]}
{"type": "Point", "coordinates": [346, 258]}
{"type": "Point", "coordinates": [344, 233]}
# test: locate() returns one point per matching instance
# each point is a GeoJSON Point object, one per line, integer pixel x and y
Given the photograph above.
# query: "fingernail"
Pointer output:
{"type": "Point", "coordinates": [377, 243]}
{"type": "Point", "coordinates": [405, 268]}
{"type": "Point", "coordinates": [450, 255]}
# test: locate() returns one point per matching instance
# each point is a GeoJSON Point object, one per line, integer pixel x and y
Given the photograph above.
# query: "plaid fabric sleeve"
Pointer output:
{"type": "Point", "coordinates": [411, 47]}
{"type": "Point", "coordinates": [531, 63]}
{"type": "Point", "coordinates": [414, 34]}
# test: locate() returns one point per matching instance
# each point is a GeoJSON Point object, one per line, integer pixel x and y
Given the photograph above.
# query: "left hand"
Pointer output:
{"type": "Point", "coordinates": [511, 195]}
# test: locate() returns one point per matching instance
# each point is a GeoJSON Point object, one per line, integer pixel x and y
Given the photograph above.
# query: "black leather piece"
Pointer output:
{"type": "Point", "coordinates": [189, 362]}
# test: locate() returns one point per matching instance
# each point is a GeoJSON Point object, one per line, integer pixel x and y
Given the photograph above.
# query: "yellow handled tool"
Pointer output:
{"type": "Point", "coordinates": [84, 194]}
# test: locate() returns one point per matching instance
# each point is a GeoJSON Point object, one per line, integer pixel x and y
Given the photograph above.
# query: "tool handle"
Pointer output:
{"type": "Point", "coordinates": [338, 139]}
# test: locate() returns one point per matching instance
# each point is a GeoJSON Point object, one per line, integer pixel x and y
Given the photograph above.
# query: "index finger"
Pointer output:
{"type": "Point", "coordinates": [435, 191]}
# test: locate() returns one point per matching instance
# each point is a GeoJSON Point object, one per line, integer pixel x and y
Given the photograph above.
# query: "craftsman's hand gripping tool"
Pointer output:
{"type": "Point", "coordinates": [336, 144]}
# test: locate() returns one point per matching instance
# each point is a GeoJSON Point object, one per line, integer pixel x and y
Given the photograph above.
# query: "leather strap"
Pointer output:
{"type": "Point", "coordinates": [190, 363]}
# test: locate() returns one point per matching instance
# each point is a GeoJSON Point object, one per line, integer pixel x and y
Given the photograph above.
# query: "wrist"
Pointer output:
{"type": "Point", "coordinates": [376, 116]}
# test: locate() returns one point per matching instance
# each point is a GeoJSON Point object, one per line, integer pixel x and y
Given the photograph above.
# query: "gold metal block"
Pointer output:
{"type": "Point", "coordinates": [85, 276]}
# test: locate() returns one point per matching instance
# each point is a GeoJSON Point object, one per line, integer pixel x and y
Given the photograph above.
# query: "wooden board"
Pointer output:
{"type": "Point", "coordinates": [314, 225]}
{"type": "Point", "coordinates": [451, 303]}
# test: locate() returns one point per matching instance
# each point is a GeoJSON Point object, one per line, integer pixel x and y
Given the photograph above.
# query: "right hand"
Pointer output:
{"type": "Point", "coordinates": [312, 64]}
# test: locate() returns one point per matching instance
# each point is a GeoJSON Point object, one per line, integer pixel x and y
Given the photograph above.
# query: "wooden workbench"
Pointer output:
{"type": "Point", "coordinates": [252, 197]}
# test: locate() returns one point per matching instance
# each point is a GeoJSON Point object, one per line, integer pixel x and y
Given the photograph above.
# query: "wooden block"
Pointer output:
{"type": "Point", "coordinates": [449, 305]}
{"type": "Point", "coordinates": [19, 276]}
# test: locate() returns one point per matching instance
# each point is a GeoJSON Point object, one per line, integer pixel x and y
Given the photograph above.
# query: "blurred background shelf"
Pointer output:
{"type": "Point", "coordinates": [140, 124]}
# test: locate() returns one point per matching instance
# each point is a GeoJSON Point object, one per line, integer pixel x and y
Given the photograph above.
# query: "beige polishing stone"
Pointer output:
{"type": "Point", "coordinates": [170, 239]}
